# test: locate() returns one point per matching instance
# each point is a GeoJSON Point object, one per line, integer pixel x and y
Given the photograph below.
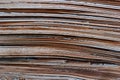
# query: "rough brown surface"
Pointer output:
{"type": "Point", "coordinates": [59, 39]}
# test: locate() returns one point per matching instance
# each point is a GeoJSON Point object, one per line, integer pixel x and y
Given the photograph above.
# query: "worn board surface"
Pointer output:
{"type": "Point", "coordinates": [59, 39]}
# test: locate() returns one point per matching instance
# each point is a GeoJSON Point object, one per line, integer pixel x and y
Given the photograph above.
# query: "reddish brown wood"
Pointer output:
{"type": "Point", "coordinates": [59, 39]}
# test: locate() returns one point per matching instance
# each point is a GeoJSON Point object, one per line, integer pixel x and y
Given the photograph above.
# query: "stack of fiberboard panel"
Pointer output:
{"type": "Point", "coordinates": [59, 39]}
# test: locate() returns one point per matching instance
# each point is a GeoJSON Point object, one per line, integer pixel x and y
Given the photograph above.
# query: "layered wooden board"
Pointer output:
{"type": "Point", "coordinates": [59, 39]}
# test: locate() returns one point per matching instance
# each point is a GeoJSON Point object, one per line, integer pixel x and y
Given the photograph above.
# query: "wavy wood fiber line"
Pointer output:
{"type": "Point", "coordinates": [59, 39]}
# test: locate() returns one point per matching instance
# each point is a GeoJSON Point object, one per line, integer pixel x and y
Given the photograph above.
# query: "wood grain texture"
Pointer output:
{"type": "Point", "coordinates": [59, 39]}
